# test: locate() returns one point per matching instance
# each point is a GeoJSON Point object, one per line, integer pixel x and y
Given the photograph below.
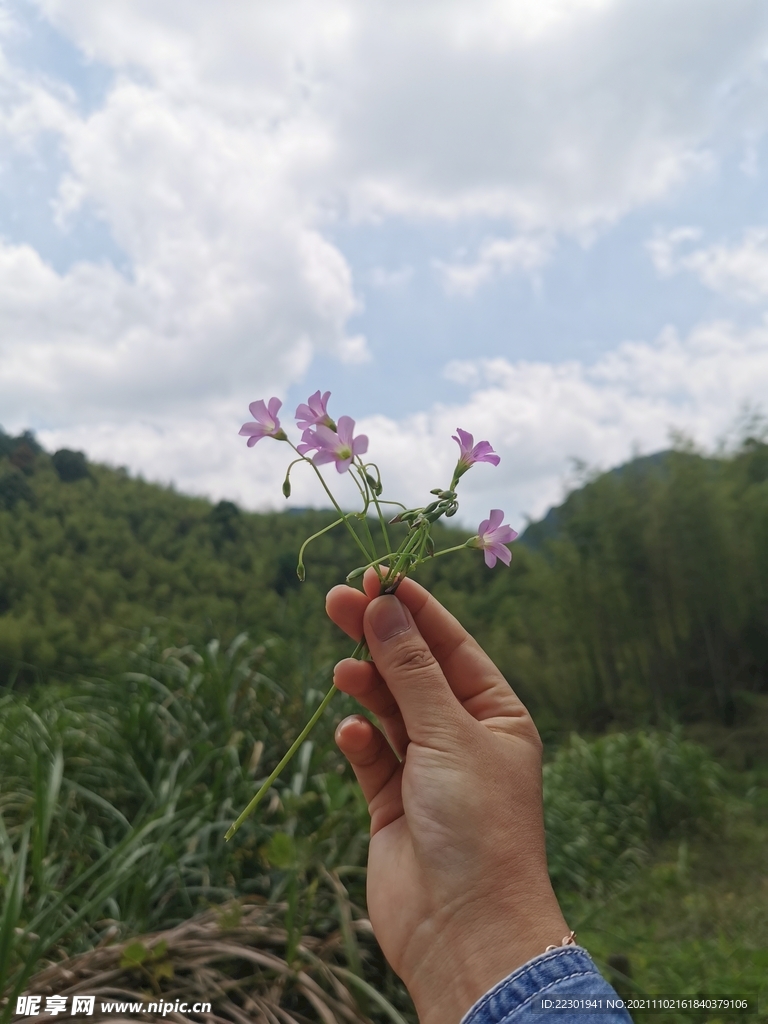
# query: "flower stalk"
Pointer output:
{"type": "Point", "coordinates": [325, 441]}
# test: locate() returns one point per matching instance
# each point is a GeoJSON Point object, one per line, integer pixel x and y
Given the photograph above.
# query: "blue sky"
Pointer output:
{"type": "Point", "coordinates": [543, 221]}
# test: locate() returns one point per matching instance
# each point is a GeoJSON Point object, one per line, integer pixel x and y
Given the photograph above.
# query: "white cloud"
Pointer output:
{"type": "Point", "coordinates": [233, 286]}
{"type": "Point", "coordinates": [560, 114]}
{"type": "Point", "coordinates": [226, 148]}
{"type": "Point", "coordinates": [496, 257]}
{"type": "Point", "coordinates": [739, 271]}
{"type": "Point", "coordinates": [537, 416]}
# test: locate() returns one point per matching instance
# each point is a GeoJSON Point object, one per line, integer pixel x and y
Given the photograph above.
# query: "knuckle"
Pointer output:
{"type": "Point", "coordinates": [413, 659]}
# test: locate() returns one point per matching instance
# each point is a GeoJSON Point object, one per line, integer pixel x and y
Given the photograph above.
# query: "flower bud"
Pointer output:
{"type": "Point", "coordinates": [356, 573]}
{"type": "Point", "coordinates": [406, 517]}
{"type": "Point", "coordinates": [374, 484]}
{"type": "Point", "coordinates": [301, 572]}
{"type": "Point", "coordinates": [287, 487]}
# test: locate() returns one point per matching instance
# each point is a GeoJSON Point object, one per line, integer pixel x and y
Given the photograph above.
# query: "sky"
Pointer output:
{"type": "Point", "coordinates": [542, 221]}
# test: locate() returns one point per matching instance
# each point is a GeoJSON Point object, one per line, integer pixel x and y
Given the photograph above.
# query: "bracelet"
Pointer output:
{"type": "Point", "coordinates": [568, 940]}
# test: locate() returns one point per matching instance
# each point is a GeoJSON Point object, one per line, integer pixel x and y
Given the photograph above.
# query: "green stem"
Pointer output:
{"type": "Point", "coordinates": [292, 750]}
{"type": "Point", "coordinates": [446, 551]}
{"type": "Point", "coordinates": [330, 495]}
{"type": "Point", "coordinates": [382, 521]}
{"type": "Point", "coordinates": [314, 537]}
{"type": "Point", "coordinates": [362, 486]}
{"type": "Point", "coordinates": [402, 556]}
{"type": "Point", "coordinates": [357, 653]}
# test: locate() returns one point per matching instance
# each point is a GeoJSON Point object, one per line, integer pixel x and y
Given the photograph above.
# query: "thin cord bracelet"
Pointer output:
{"type": "Point", "coordinates": [568, 940]}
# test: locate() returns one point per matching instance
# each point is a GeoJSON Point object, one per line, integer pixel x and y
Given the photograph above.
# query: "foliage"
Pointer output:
{"type": "Point", "coordinates": [117, 793]}
{"type": "Point", "coordinates": [694, 918]}
{"type": "Point", "coordinates": [69, 465]}
{"type": "Point", "coordinates": [647, 600]}
{"type": "Point", "coordinates": [606, 801]}
{"type": "Point", "coordinates": [643, 598]}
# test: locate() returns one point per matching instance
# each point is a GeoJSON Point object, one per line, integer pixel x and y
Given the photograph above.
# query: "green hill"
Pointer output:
{"type": "Point", "coordinates": [645, 595]}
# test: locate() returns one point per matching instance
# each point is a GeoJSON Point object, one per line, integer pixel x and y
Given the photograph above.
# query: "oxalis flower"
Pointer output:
{"type": "Point", "coordinates": [493, 538]}
{"type": "Point", "coordinates": [314, 412]}
{"type": "Point", "coordinates": [470, 453]}
{"type": "Point", "coordinates": [267, 424]}
{"type": "Point", "coordinates": [338, 446]}
{"type": "Point", "coordinates": [392, 557]}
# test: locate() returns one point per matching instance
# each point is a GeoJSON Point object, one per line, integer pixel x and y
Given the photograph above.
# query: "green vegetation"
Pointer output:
{"type": "Point", "coordinates": [129, 739]}
{"type": "Point", "coordinates": [647, 601]}
{"type": "Point", "coordinates": [116, 795]}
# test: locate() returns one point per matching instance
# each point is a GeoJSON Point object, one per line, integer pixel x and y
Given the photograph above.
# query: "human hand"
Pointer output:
{"type": "Point", "coordinates": [458, 889]}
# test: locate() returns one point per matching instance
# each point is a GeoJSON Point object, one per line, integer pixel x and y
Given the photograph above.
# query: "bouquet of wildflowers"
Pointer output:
{"type": "Point", "coordinates": [325, 441]}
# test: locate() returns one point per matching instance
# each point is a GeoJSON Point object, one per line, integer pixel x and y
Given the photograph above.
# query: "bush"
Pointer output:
{"type": "Point", "coordinates": [607, 800]}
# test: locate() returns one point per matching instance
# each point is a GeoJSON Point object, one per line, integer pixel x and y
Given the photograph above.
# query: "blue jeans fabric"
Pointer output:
{"type": "Point", "coordinates": [541, 991]}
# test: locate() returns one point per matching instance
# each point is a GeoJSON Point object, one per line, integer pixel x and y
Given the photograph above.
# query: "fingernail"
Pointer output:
{"type": "Point", "coordinates": [387, 618]}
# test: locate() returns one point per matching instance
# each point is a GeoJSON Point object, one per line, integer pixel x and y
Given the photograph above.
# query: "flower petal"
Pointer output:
{"type": "Point", "coordinates": [259, 411]}
{"type": "Point", "coordinates": [325, 436]}
{"type": "Point", "coordinates": [346, 426]}
{"type": "Point", "coordinates": [505, 535]}
{"type": "Point", "coordinates": [502, 552]}
{"type": "Point", "coordinates": [464, 440]}
{"type": "Point", "coordinates": [497, 515]}
{"type": "Point", "coordinates": [360, 444]}
{"type": "Point", "coordinates": [274, 408]}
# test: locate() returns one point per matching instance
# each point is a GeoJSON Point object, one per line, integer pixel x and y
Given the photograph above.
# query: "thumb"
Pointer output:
{"type": "Point", "coordinates": [432, 714]}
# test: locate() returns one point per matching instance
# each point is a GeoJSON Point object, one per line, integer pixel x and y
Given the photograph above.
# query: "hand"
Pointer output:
{"type": "Point", "coordinates": [458, 889]}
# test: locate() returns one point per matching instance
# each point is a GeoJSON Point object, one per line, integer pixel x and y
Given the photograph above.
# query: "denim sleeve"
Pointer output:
{"type": "Point", "coordinates": [559, 987]}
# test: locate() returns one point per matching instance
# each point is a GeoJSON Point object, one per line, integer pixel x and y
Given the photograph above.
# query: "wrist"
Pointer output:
{"type": "Point", "coordinates": [468, 958]}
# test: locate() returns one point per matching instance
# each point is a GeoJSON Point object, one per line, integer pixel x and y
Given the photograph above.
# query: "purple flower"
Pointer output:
{"type": "Point", "coordinates": [334, 446]}
{"type": "Point", "coordinates": [493, 538]}
{"type": "Point", "coordinates": [266, 422]}
{"type": "Point", "coordinates": [470, 453]}
{"type": "Point", "coordinates": [314, 412]}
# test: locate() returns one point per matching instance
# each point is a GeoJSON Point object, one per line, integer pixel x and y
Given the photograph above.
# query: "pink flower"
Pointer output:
{"type": "Point", "coordinates": [314, 412]}
{"type": "Point", "coordinates": [470, 453]}
{"type": "Point", "coordinates": [493, 538]}
{"type": "Point", "coordinates": [267, 424]}
{"type": "Point", "coordinates": [334, 446]}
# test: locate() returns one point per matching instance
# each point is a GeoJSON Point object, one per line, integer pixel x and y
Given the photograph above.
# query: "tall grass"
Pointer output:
{"type": "Point", "coordinates": [116, 794]}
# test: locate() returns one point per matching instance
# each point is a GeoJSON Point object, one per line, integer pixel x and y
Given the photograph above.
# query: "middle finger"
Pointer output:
{"type": "Point", "coordinates": [362, 681]}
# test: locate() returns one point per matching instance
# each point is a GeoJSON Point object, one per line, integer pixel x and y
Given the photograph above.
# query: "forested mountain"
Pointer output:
{"type": "Point", "coordinates": [645, 596]}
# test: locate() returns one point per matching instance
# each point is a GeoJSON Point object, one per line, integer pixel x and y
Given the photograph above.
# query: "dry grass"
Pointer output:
{"type": "Point", "coordinates": [234, 958]}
